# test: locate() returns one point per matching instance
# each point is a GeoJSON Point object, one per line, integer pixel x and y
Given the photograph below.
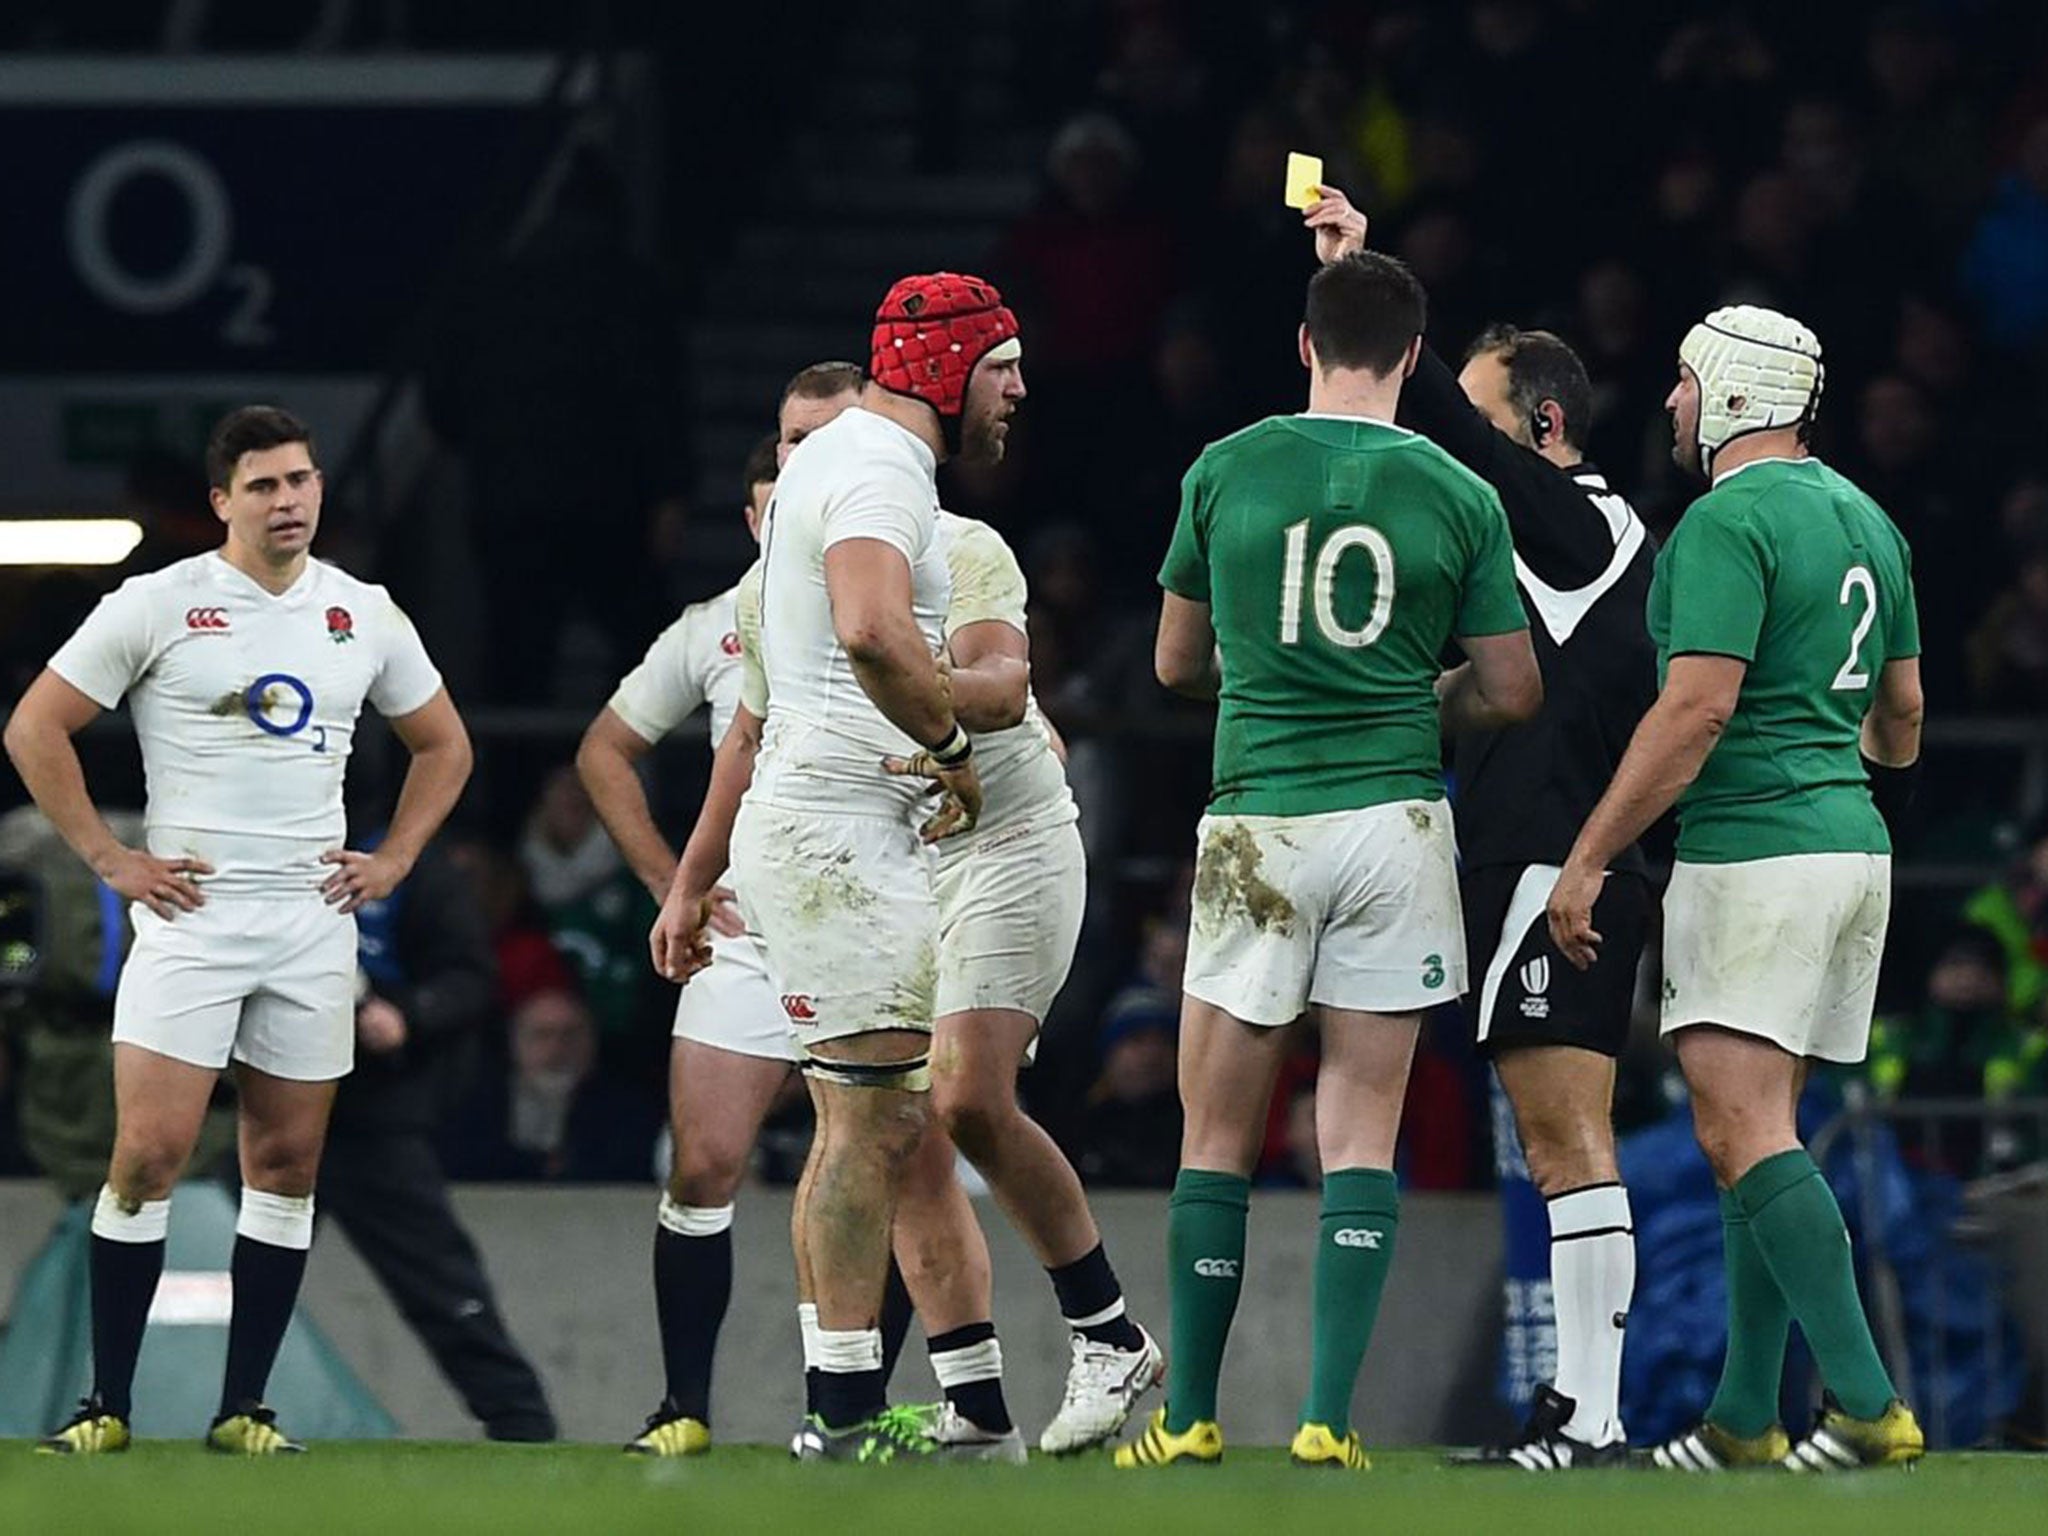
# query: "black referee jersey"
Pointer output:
{"type": "Point", "coordinates": [1583, 560]}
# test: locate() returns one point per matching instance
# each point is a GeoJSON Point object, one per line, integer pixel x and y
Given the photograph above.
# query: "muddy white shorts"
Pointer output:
{"type": "Point", "coordinates": [265, 980]}
{"type": "Point", "coordinates": [733, 1005]}
{"type": "Point", "coordinates": [1785, 948]}
{"type": "Point", "coordinates": [844, 904]}
{"type": "Point", "coordinates": [1349, 909]}
{"type": "Point", "coordinates": [1009, 919]}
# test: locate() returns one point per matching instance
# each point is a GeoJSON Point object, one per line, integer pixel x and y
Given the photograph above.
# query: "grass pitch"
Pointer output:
{"type": "Point", "coordinates": [390, 1488]}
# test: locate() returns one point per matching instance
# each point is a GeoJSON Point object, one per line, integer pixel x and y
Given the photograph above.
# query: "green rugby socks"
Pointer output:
{"type": "Point", "coordinates": [1205, 1267]}
{"type": "Point", "coordinates": [1746, 1402]}
{"type": "Point", "coordinates": [1354, 1250]}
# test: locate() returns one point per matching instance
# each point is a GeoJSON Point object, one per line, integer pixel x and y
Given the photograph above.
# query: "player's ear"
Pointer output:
{"type": "Point", "coordinates": [1308, 352]}
{"type": "Point", "coordinates": [219, 498]}
{"type": "Point", "coordinates": [1411, 357]}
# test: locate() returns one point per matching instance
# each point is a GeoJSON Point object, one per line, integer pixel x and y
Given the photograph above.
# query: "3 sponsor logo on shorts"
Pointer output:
{"type": "Point", "coordinates": [1535, 978]}
{"type": "Point", "coordinates": [205, 620]}
{"type": "Point", "coordinates": [1357, 1237]}
{"type": "Point", "coordinates": [1216, 1269]}
{"type": "Point", "coordinates": [799, 1008]}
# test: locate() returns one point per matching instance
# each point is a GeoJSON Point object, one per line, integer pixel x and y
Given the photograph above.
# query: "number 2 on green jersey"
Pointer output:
{"type": "Point", "coordinates": [1296, 574]}
{"type": "Point", "coordinates": [1857, 579]}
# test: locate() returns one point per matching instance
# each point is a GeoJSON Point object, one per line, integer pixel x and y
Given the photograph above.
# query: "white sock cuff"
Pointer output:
{"type": "Point", "coordinates": [807, 1326]}
{"type": "Point", "coordinates": [1595, 1211]}
{"type": "Point", "coordinates": [694, 1220]}
{"type": "Point", "coordinates": [977, 1362]}
{"type": "Point", "coordinates": [1108, 1314]}
{"type": "Point", "coordinates": [283, 1221]}
{"type": "Point", "coordinates": [147, 1223]}
{"type": "Point", "coordinates": [842, 1351]}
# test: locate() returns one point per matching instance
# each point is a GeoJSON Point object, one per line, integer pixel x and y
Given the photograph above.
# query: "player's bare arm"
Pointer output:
{"type": "Point", "coordinates": [441, 759]}
{"type": "Point", "coordinates": [606, 762]}
{"type": "Point", "coordinates": [1891, 731]}
{"type": "Point", "coordinates": [39, 742]}
{"type": "Point", "coordinates": [990, 668]}
{"type": "Point", "coordinates": [694, 901]}
{"type": "Point", "coordinates": [1184, 655]}
{"type": "Point", "coordinates": [1665, 755]}
{"type": "Point", "coordinates": [1499, 685]}
{"type": "Point", "coordinates": [868, 583]}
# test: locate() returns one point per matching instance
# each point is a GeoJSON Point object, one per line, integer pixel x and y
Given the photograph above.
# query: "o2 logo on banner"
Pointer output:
{"type": "Point", "coordinates": [207, 261]}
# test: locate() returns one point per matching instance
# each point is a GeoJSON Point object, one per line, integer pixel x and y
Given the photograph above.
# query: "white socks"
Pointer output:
{"type": "Point", "coordinates": [147, 1223]}
{"type": "Point", "coordinates": [807, 1325]}
{"type": "Point", "coordinates": [695, 1220]}
{"type": "Point", "coordinates": [1592, 1277]}
{"type": "Point", "coordinates": [849, 1350]}
{"type": "Point", "coordinates": [283, 1221]}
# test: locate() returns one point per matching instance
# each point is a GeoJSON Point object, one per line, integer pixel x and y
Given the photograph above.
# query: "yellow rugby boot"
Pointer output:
{"type": "Point", "coordinates": [1842, 1444]}
{"type": "Point", "coordinates": [670, 1432]}
{"type": "Point", "coordinates": [1199, 1445]}
{"type": "Point", "coordinates": [1710, 1448]}
{"type": "Point", "coordinates": [250, 1431]}
{"type": "Point", "coordinates": [1315, 1446]}
{"type": "Point", "coordinates": [92, 1431]}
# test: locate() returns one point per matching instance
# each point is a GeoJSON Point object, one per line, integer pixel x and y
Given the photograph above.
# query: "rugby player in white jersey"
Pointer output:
{"type": "Point", "coordinates": [827, 850]}
{"type": "Point", "coordinates": [245, 670]}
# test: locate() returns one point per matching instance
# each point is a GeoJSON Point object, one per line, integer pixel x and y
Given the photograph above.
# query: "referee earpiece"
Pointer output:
{"type": "Point", "coordinates": [1539, 426]}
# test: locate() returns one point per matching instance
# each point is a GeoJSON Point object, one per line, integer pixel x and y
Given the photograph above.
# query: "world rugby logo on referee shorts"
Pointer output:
{"type": "Point", "coordinates": [1216, 1269]}
{"type": "Point", "coordinates": [1535, 979]}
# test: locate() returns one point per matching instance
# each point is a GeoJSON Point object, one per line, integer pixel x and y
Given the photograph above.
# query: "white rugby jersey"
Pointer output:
{"type": "Point", "coordinates": [692, 663]}
{"type": "Point", "coordinates": [1023, 784]}
{"type": "Point", "coordinates": [861, 476]}
{"type": "Point", "coordinates": [1024, 788]}
{"type": "Point", "coordinates": [245, 706]}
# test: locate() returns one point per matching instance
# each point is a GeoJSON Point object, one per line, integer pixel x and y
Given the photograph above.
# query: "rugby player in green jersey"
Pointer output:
{"type": "Point", "coordinates": [1320, 566]}
{"type": "Point", "coordinates": [1789, 651]}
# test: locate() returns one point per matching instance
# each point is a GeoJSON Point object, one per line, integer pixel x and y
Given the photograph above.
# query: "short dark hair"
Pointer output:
{"type": "Point", "coordinates": [1364, 312]}
{"type": "Point", "coordinates": [761, 466]}
{"type": "Point", "coordinates": [251, 429]}
{"type": "Point", "coordinates": [1541, 366]}
{"type": "Point", "coordinates": [821, 381]}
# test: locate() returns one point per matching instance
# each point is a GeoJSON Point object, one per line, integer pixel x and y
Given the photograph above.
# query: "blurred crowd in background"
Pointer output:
{"type": "Point", "coordinates": [1606, 169]}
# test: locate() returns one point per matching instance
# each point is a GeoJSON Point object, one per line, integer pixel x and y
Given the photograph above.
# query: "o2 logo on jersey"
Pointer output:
{"type": "Point", "coordinates": [274, 692]}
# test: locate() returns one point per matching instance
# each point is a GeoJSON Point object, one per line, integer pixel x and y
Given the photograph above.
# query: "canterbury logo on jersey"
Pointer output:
{"type": "Point", "coordinates": [1357, 1237]}
{"type": "Point", "coordinates": [1535, 977]}
{"type": "Point", "coordinates": [799, 1008]}
{"type": "Point", "coordinates": [1216, 1269]}
{"type": "Point", "coordinates": [203, 619]}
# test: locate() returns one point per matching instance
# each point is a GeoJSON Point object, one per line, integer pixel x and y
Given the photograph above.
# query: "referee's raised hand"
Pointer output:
{"type": "Point", "coordinates": [1339, 228]}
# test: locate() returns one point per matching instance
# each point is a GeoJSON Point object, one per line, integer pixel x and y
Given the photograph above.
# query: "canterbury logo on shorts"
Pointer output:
{"type": "Point", "coordinates": [1216, 1269]}
{"type": "Point", "coordinates": [1356, 1237]}
{"type": "Point", "coordinates": [799, 1008]}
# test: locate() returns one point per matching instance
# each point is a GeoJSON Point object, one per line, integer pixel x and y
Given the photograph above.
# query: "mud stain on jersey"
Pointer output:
{"type": "Point", "coordinates": [1229, 883]}
{"type": "Point", "coordinates": [239, 702]}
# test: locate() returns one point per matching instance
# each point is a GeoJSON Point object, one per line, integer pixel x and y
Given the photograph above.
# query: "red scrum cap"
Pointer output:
{"type": "Point", "coordinates": [930, 332]}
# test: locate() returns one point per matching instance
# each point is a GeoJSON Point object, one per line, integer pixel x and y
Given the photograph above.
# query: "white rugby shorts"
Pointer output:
{"type": "Point", "coordinates": [1786, 949]}
{"type": "Point", "coordinates": [732, 1005]}
{"type": "Point", "coordinates": [1350, 909]}
{"type": "Point", "coordinates": [1009, 920]}
{"type": "Point", "coordinates": [844, 904]}
{"type": "Point", "coordinates": [267, 981]}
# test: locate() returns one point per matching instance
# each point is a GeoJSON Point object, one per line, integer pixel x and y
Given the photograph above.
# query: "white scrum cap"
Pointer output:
{"type": "Point", "coordinates": [1757, 369]}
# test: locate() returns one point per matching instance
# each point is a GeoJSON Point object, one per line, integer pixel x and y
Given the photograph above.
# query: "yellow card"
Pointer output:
{"type": "Point", "coordinates": [1304, 180]}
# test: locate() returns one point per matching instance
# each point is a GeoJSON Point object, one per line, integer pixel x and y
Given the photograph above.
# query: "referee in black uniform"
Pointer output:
{"type": "Point", "coordinates": [1516, 416]}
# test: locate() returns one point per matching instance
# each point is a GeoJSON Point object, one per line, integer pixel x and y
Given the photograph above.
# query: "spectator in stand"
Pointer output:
{"type": "Point", "coordinates": [2015, 912]}
{"type": "Point", "coordinates": [1129, 1132]}
{"type": "Point", "coordinates": [2008, 651]}
{"type": "Point", "coordinates": [524, 957]}
{"type": "Point", "coordinates": [546, 1113]}
{"type": "Point", "coordinates": [1963, 1042]}
{"type": "Point", "coordinates": [597, 915]}
{"type": "Point", "coordinates": [2005, 268]}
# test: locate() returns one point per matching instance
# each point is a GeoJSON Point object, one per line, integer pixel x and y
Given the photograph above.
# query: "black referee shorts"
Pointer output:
{"type": "Point", "coordinates": [1524, 991]}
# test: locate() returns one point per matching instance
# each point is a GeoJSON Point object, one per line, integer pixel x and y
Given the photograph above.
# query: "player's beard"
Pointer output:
{"type": "Point", "coordinates": [1685, 450]}
{"type": "Point", "coordinates": [980, 442]}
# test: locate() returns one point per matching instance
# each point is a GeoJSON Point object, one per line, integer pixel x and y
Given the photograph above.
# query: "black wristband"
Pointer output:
{"type": "Point", "coordinates": [953, 751]}
{"type": "Point", "coordinates": [1892, 791]}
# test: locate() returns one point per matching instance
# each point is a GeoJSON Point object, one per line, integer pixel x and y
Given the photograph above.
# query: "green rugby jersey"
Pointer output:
{"type": "Point", "coordinates": [1787, 566]}
{"type": "Point", "coordinates": [1337, 556]}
